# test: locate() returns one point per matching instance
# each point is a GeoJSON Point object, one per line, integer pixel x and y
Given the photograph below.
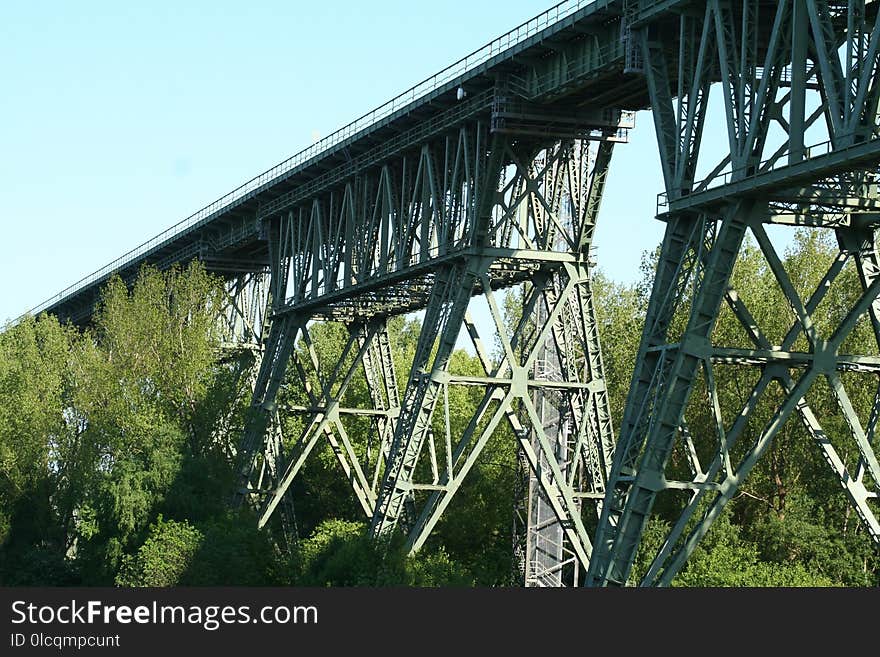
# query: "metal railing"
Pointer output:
{"type": "Point", "coordinates": [422, 129]}
{"type": "Point", "coordinates": [778, 161]}
{"type": "Point", "coordinates": [459, 68]}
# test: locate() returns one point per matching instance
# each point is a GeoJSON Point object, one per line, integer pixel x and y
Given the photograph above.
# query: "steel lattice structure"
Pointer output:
{"type": "Point", "coordinates": [489, 177]}
{"type": "Point", "coordinates": [781, 68]}
{"type": "Point", "coordinates": [473, 211]}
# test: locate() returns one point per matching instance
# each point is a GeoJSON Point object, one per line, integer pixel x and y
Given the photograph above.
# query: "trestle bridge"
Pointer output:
{"type": "Point", "coordinates": [490, 175]}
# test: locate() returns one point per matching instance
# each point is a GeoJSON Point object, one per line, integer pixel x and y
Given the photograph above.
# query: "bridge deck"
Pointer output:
{"type": "Point", "coordinates": [225, 234]}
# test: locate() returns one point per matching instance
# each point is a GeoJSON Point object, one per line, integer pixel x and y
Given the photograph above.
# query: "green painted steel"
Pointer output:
{"type": "Point", "coordinates": [776, 65]}
{"type": "Point", "coordinates": [485, 206]}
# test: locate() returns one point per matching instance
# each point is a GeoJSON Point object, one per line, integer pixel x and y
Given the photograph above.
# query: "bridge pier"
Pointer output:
{"type": "Point", "coordinates": [242, 327]}
{"type": "Point", "coordinates": [481, 207]}
{"type": "Point", "coordinates": [766, 176]}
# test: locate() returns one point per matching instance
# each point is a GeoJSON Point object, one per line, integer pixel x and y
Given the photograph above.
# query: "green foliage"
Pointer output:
{"type": "Point", "coordinates": [117, 450]}
{"type": "Point", "coordinates": [97, 428]}
{"type": "Point", "coordinates": [436, 568]}
{"type": "Point", "coordinates": [805, 538]}
{"type": "Point", "coordinates": [725, 559]}
{"type": "Point", "coordinates": [35, 383]}
{"type": "Point", "coordinates": [226, 551]}
{"type": "Point", "coordinates": [33, 371]}
{"type": "Point", "coordinates": [139, 390]}
{"type": "Point", "coordinates": [234, 553]}
{"type": "Point", "coordinates": [164, 557]}
{"type": "Point", "coordinates": [157, 341]}
{"type": "Point", "coordinates": [340, 553]}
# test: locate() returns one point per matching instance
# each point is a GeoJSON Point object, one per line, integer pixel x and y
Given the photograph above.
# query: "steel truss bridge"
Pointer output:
{"type": "Point", "coordinates": [490, 176]}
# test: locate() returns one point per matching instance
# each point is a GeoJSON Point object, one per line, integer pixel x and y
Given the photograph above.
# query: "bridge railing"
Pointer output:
{"type": "Point", "coordinates": [778, 161]}
{"type": "Point", "coordinates": [459, 68]}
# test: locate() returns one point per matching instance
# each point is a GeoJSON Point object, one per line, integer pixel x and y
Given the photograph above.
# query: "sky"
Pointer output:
{"type": "Point", "coordinates": [119, 119]}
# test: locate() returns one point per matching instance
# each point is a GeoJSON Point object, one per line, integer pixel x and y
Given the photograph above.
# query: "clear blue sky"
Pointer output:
{"type": "Point", "coordinates": [118, 119]}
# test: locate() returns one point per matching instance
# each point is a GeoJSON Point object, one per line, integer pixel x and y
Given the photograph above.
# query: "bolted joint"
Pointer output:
{"type": "Point", "coordinates": [697, 346]}
{"type": "Point", "coordinates": [824, 357]}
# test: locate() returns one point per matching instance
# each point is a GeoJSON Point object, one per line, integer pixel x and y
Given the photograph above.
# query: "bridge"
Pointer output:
{"type": "Point", "coordinates": [489, 176]}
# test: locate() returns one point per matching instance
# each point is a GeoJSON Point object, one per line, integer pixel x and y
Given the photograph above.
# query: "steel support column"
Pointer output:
{"type": "Point", "coordinates": [483, 206]}
{"type": "Point", "coordinates": [701, 246]}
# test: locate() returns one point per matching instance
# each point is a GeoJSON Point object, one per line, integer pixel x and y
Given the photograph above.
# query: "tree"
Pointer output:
{"type": "Point", "coordinates": [164, 557]}
{"type": "Point", "coordinates": [35, 385]}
